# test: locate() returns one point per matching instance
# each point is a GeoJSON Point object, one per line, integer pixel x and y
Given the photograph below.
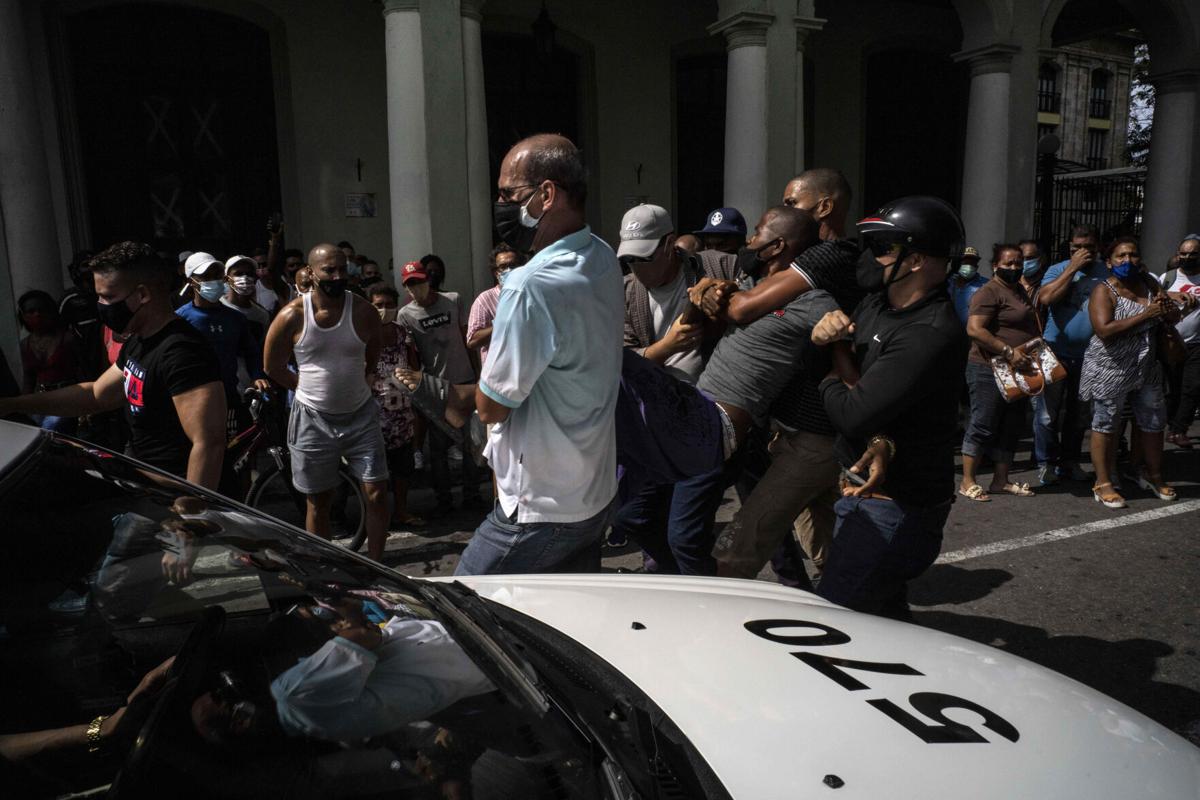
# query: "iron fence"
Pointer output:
{"type": "Point", "coordinates": [1110, 199]}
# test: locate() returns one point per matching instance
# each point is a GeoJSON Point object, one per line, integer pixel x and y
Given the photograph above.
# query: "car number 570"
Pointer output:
{"type": "Point", "coordinates": [931, 704]}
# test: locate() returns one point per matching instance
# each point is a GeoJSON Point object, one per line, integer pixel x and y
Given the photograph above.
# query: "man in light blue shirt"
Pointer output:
{"type": "Point", "coordinates": [1060, 417]}
{"type": "Point", "coordinates": [549, 387]}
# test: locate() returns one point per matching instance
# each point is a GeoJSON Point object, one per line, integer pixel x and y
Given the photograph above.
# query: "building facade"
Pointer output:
{"type": "Point", "coordinates": [190, 121]}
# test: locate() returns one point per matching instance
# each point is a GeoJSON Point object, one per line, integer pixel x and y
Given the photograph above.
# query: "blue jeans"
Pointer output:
{"type": "Point", "coordinates": [1149, 410]}
{"type": "Point", "coordinates": [503, 546]}
{"type": "Point", "coordinates": [673, 523]}
{"type": "Point", "coordinates": [995, 425]}
{"type": "Point", "coordinates": [878, 546]}
{"type": "Point", "coordinates": [1059, 416]}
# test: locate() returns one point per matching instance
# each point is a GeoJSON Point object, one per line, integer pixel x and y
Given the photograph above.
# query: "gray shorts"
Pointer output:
{"type": "Point", "coordinates": [318, 442]}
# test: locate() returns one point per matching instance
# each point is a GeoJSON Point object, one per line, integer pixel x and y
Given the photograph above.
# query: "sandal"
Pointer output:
{"type": "Point", "coordinates": [975, 492]}
{"type": "Point", "coordinates": [1157, 487]}
{"type": "Point", "coordinates": [1180, 440]}
{"type": "Point", "coordinates": [1109, 499]}
{"type": "Point", "coordinates": [1017, 489]}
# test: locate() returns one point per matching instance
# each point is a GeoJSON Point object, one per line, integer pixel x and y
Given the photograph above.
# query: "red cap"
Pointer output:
{"type": "Point", "coordinates": [412, 271]}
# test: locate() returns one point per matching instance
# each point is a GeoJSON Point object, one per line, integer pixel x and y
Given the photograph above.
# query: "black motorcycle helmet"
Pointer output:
{"type": "Point", "coordinates": [919, 223]}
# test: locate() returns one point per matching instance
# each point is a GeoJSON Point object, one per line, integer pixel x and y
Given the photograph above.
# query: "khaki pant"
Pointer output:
{"type": "Point", "coordinates": [800, 486]}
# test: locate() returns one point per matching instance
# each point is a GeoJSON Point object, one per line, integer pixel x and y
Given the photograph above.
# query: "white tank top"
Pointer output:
{"type": "Point", "coordinates": [332, 362]}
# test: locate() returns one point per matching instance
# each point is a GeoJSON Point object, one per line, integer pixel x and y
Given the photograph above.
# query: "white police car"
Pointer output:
{"type": "Point", "coordinates": [302, 670]}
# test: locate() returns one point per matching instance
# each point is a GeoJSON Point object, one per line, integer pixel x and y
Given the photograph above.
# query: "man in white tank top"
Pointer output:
{"type": "Point", "coordinates": [335, 337]}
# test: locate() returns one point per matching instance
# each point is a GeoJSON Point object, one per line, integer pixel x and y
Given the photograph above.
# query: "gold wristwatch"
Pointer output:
{"type": "Point", "coordinates": [93, 733]}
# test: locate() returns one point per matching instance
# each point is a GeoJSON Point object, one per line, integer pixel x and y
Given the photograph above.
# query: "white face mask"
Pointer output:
{"type": "Point", "coordinates": [388, 314]}
{"type": "Point", "coordinates": [527, 220]}
{"type": "Point", "coordinates": [243, 284]}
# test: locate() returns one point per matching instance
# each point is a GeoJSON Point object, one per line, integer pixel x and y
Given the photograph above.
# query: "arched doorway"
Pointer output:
{"type": "Point", "coordinates": [915, 126]}
{"type": "Point", "coordinates": [176, 118]}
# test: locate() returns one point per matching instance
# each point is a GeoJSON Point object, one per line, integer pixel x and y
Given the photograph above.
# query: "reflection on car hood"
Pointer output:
{"type": "Point", "coordinates": [774, 726]}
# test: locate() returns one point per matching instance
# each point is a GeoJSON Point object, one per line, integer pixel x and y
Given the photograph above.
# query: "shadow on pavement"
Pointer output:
{"type": "Point", "coordinates": [424, 559]}
{"type": "Point", "coordinates": [948, 583]}
{"type": "Point", "coordinates": [1123, 670]}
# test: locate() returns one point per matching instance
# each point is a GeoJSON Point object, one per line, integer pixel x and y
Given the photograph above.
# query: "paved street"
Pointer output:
{"type": "Point", "coordinates": [1114, 604]}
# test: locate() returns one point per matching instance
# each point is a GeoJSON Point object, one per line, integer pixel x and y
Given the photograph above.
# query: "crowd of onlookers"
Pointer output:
{"type": "Point", "coordinates": [624, 392]}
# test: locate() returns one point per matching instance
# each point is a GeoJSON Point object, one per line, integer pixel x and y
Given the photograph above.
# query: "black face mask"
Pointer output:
{"type": "Point", "coordinates": [1010, 276]}
{"type": "Point", "coordinates": [869, 273]}
{"type": "Point", "coordinates": [506, 221]}
{"type": "Point", "coordinates": [751, 261]}
{"type": "Point", "coordinates": [116, 316]}
{"type": "Point", "coordinates": [333, 288]}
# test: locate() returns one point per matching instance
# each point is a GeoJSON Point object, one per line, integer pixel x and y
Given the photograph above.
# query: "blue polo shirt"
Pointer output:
{"type": "Point", "coordinates": [1068, 327]}
{"type": "Point", "coordinates": [555, 360]}
{"type": "Point", "coordinates": [961, 294]}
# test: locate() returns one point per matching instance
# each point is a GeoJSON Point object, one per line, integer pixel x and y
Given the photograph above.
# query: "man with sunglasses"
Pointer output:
{"type": "Point", "coordinates": [898, 365]}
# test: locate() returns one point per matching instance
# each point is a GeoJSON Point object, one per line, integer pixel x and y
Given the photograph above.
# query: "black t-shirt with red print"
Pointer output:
{"type": "Point", "coordinates": [172, 361]}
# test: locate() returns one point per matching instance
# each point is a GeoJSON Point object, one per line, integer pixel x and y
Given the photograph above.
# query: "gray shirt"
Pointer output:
{"type": "Point", "coordinates": [753, 363]}
{"type": "Point", "coordinates": [437, 332]}
{"type": "Point", "coordinates": [666, 304]}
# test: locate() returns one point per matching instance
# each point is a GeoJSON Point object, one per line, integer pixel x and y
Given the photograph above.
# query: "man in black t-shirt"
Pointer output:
{"type": "Point", "coordinates": [166, 376]}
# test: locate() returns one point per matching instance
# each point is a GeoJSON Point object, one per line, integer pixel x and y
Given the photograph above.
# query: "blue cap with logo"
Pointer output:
{"type": "Point", "coordinates": [726, 221]}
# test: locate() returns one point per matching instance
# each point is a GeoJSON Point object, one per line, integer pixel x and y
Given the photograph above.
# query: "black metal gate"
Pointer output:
{"type": "Point", "coordinates": [1110, 199]}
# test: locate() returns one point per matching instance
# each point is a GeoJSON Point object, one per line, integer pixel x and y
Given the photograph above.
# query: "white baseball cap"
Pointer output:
{"type": "Point", "coordinates": [229, 264]}
{"type": "Point", "coordinates": [198, 262]}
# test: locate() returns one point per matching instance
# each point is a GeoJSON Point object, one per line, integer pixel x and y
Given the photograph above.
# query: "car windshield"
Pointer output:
{"type": "Point", "coordinates": [235, 656]}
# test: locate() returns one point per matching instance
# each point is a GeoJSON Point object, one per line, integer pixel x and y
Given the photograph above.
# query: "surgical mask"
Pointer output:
{"type": "Point", "coordinates": [501, 275]}
{"type": "Point", "coordinates": [116, 316]}
{"type": "Point", "coordinates": [1009, 275]}
{"type": "Point", "coordinates": [388, 314]}
{"type": "Point", "coordinates": [243, 284]}
{"type": "Point", "coordinates": [212, 291]}
{"type": "Point", "coordinates": [967, 271]}
{"type": "Point", "coordinates": [1031, 267]}
{"type": "Point", "coordinates": [333, 288]}
{"type": "Point", "coordinates": [1124, 269]}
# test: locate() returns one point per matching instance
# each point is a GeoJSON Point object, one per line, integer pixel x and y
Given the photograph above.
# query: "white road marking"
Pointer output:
{"type": "Point", "coordinates": [1067, 533]}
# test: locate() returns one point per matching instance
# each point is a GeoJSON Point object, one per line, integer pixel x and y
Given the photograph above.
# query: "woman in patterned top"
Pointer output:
{"type": "Point", "coordinates": [1121, 363]}
{"type": "Point", "coordinates": [395, 406]}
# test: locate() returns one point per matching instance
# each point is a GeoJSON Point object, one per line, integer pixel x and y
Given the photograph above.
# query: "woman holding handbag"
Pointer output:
{"type": "Point", "coordinates": [1001, 319]}
{"type": "Point", "coordinates": [1120, 364]}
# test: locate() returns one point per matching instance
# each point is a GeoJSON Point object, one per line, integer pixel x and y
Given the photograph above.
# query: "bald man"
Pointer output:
{"type": "Point", "coordinates": [335, 337]}
{"type": "Point", "coordinates": [551, 378]}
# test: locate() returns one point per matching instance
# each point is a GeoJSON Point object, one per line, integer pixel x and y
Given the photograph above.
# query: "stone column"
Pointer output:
{"type": "Point", "coordinates": [746, 112]}
{"type": "Point", "coordinates": [1174, 166]}
{"type": "Point", "coordinates": [26, 206]}
{"type": "Point", "coordinates": [479, 189]}
{"type": "Point", "coordinates": [408, 167]}
{"type": "Point", "coordinates": [804, 27]}
{"type": "Point", "coordinates": [986, 167]}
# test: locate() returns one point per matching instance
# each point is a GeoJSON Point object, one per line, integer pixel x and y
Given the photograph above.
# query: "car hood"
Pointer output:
{"type": "Point", "coordinates": [773, 722]}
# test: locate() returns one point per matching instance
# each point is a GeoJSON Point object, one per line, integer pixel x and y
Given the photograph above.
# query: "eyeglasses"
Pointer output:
{"type": "Point", "coordinates": [629, 261]}
{"type": "Point", "coordinates": [507, 194]}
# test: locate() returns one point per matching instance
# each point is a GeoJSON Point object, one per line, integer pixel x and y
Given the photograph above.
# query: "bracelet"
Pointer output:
{"type": "Point", "coordinates": [93, 733]}
{"type": "Point", "coordinates": [886, 440]}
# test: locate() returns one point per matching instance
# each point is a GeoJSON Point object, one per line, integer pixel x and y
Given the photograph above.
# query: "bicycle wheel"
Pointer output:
{"type": "Point", "coordinates": [273, 494]}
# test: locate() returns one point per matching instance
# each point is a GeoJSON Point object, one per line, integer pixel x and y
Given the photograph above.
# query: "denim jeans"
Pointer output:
{"type": "Point", "coordinates": [1060, 418]}
{"type": "Point", "coordinates": [673, 523]}
{"type": "Point", "coordinates": [439, 468]}
{"type": "Point", "coordinates": [995, 425]}
{"type": "Point", "coordinates": [878, 546]}
{"type": "Point", "coordinates": [503, 546]}
{"type": "Point", "coordinates": [1149, 410]}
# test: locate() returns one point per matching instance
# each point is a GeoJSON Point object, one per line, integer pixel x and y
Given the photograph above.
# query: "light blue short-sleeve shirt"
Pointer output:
{"type": "Point", "coordinates": [555, 360]}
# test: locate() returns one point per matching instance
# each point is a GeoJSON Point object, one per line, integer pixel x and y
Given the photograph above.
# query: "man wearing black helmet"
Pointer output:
{"type": "Point", "coordinates": [898, 364]}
